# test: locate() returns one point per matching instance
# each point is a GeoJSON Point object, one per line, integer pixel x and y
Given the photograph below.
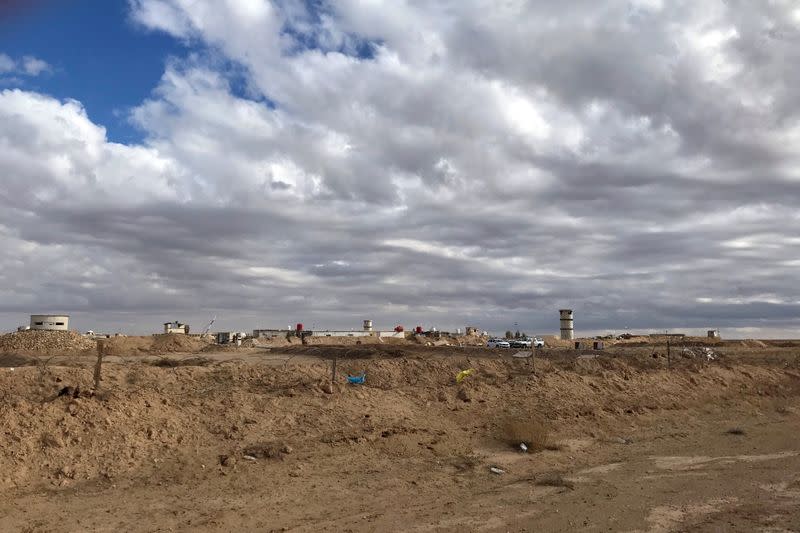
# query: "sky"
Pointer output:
{"type": "Point", "coordinates": [450, 163]}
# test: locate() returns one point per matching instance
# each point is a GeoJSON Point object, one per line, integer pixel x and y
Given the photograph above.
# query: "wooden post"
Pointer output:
{"type": "Point", "coordinates": [669, 358]}
{"type": "Point", "coordinates": [333, 371]}
{"type": "Point", "coordinates": [98, 365]}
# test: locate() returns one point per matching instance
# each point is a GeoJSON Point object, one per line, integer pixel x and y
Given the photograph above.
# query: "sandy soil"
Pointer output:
{"type": "Point", "coordinates": [706, 445]}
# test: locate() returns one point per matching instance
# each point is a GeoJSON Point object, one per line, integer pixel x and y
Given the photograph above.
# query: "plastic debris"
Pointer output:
{"type": "Point", "coordinates": [498, 471]}
{"type": "Point", "coordinates": [357, 380]}
{"type": "Point", "coordinates": [463, 374]}
{"type": "Point", "coordinates": [700, 353]}
{"type": "Point", "coordinates": [523, 447]}
{"type": "Point", "coordinates": [250, 458]}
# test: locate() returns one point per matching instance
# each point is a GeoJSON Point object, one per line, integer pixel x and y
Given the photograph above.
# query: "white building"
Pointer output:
{"type": "Point", "coordinates": [176, 327]}
{"type": "Point", "coordinates": [50, 322]}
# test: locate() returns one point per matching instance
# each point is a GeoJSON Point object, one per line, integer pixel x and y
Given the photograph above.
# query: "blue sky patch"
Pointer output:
{"type": "Point", "coordinates": [97, 54]}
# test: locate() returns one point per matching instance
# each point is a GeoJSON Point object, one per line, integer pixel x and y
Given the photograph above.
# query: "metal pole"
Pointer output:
{"type": "Point", "coordinates": [669, 358]}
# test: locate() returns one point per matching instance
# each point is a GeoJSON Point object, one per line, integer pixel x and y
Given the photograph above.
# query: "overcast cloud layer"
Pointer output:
{"type": "Point", "coordinates": [436, 163]}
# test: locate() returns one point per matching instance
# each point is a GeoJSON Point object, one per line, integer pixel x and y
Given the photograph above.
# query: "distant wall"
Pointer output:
{"type": "Point", "coordinates": [270, 333]}
{"type": "Point", "coordinates": [392, 334]}
{"type": "Point", "coordinates": [332, 333]}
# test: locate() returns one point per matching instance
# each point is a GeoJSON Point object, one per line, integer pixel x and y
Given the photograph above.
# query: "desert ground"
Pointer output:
{"type": "Point", "coordinates": [183, 435]}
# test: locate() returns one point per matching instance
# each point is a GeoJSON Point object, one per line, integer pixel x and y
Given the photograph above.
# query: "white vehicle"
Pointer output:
{"type": "Point", "coordinates": [521, 343]}
{"type": "Point", "coordinates": [538, 342]}
{"type": "Point", "coordinates": [497, 343]}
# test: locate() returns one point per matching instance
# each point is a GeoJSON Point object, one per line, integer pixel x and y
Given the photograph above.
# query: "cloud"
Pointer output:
{"type": "Point", "coordinates": [6, 64]}
{"type": "Point", "coordinates": [26, 66]}
{"type": "Point", "coordinates": [33, 66]}
{"type": "Point", "coordinates": [441, 164]}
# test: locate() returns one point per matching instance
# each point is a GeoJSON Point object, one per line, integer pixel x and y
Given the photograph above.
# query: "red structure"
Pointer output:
{"type": "Point", "coordinates": [418, 330]}
{"type": "Point", "coordinates": [299, 327]}
{"type": "Point", "coordinates": [398, 329]}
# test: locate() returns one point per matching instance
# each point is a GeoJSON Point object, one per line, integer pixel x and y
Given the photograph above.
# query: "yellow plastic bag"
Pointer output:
{"type": "Point", "coordinates": [463, 374]}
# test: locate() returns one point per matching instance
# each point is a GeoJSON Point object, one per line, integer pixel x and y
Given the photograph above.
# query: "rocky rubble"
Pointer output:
{"type": "Point", "coordinates": [32, 342]}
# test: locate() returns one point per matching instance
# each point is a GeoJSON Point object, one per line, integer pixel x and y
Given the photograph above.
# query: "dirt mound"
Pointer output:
{"type": "Point", "coordinates": [272, 342]}
{"type": "Point", "coordinates": [552, 341]}
{"type": "Point", "coordinates": [364, 351]}
{"type": "Point", "coordinates": [471, 340]}
{"type": "Point", "coordinates": [151, 421]}
{"type": "Point", "coordinates": [33, 342]}
{"type": "Point", "coordinates": [121, 346]}
{"type": "Point", "coordinates": [155, 344]}
{"type": "Point", "coordinates": [352, 341]}
{"type": "Point", "coordinates": [178, 343]}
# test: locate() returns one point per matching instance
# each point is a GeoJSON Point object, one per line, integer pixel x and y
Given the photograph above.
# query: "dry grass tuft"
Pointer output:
{"type": "Point", "coordinates": [532, 431]}
{"type": "Point", "coordinates": [465, 463]}
{"type": "Point", "coordinates": [166, 362]}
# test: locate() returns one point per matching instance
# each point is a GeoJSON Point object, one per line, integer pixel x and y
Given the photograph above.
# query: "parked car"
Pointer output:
{"type": "Point", "coordinates": [498, 343]}
{"type": "Point", "coordinates": [521, 343]}
{"type": "Point", "coordinates": [538, 342]}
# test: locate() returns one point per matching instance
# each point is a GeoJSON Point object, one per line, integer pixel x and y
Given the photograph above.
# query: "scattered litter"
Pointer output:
{"type": "Point", "coordinates": [522, 355]}
{"type": "Point", "coordinates": [498, 471]}
{"type": "Point", "coordinates": [357, 380]}
{"type": "Point", "coordinates": [523, 447]}
{"type": "Point", "coordinates": [700, 353]}
{"type": "Point", "coordinates": [463, 374]}
{"type": "Point", "coordinates": [249, 458]}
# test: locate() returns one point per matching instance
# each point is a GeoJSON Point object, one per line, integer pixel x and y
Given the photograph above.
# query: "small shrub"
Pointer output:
{"type": "Point", "coordinates": [50, 440]}
{"type": "Point", "coordinates": [267, 450]}
{"type": "Point", "coordinates": [135, 376]}
{"type": "Point", "coordinates": [465, 462]}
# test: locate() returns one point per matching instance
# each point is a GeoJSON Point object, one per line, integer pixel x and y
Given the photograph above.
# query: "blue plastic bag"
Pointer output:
{"type": "Point", "coordinates": [357, 380]}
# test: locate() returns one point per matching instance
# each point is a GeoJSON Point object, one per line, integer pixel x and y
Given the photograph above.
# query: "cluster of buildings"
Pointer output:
{"type": "Point", "coordinates": [566, 319]}
{"type": "Point", "coordinates": [367, 330]}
